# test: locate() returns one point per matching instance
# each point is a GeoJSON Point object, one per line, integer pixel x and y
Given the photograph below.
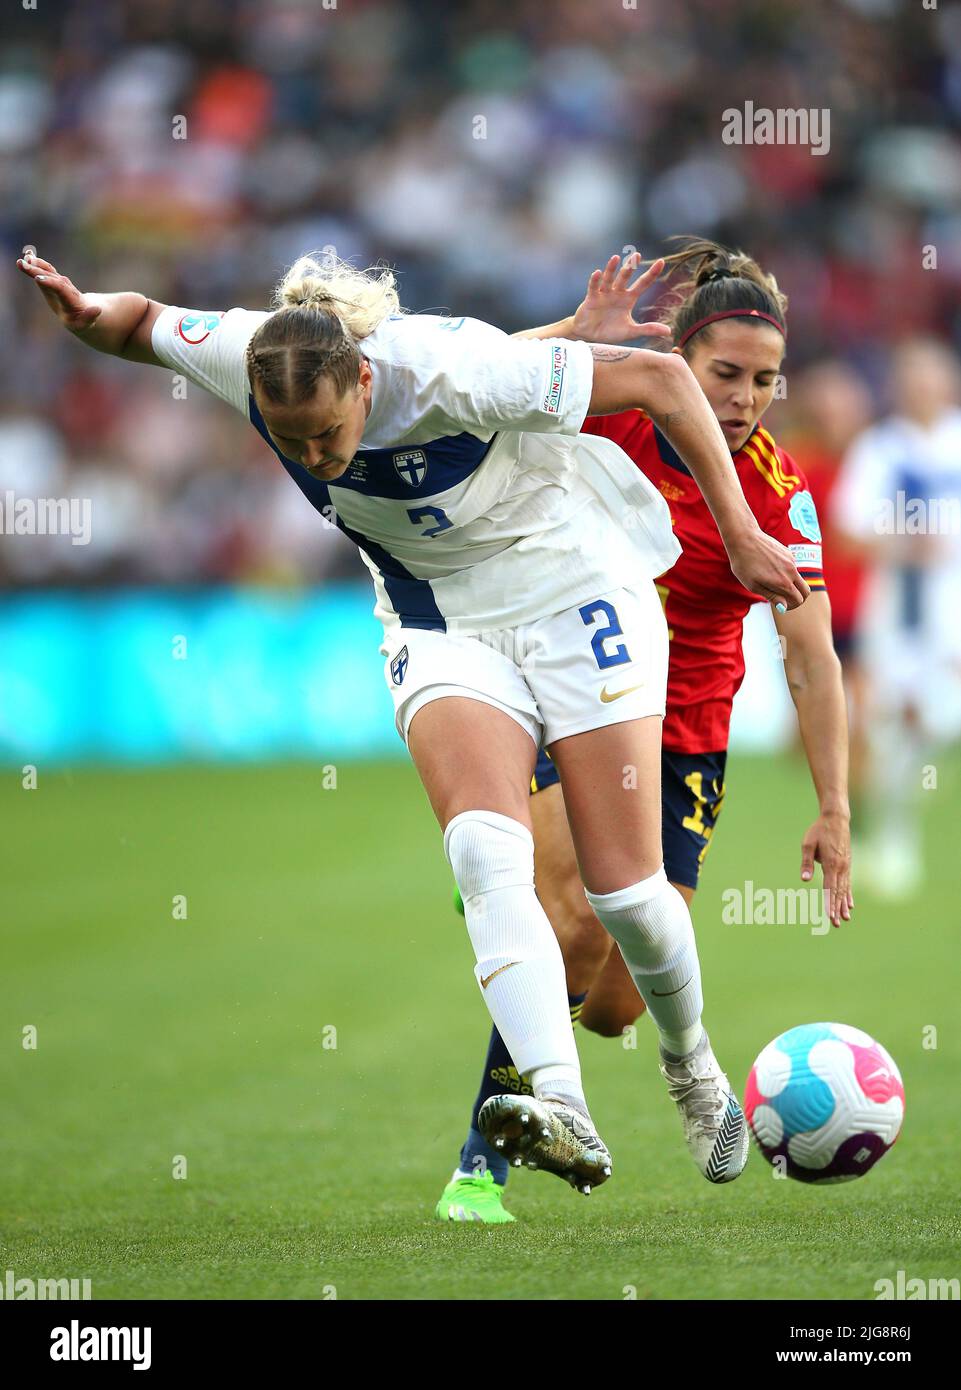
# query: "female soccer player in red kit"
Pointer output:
{"type": "Point", "coordinates": [729, 323]}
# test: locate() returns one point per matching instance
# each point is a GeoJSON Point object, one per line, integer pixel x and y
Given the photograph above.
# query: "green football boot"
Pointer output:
{"type": "Point", "coordinates": [473, 1199]}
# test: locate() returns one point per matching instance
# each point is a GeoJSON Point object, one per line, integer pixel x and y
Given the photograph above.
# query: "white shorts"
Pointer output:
{"type": "Point", "coordinates": [601, 662]}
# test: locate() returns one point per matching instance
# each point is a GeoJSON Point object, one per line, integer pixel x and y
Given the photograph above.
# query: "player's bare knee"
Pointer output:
{"type": "Point", "coordinates": [585, 944]}
{"type": "Point", "coordinates": [610, 1021]}
{"type": "Point", "coordinates": [602, 1023]}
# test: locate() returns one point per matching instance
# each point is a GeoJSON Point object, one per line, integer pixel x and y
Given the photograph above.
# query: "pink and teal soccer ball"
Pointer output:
{"type": "Point", "coordinates": [824, 1101]}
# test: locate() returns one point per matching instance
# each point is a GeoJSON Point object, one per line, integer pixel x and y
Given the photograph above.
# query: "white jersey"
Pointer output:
{"type": "Point", "coordinates": [473, 500]}
{"type": "Point", "coordinates": [900, 489]}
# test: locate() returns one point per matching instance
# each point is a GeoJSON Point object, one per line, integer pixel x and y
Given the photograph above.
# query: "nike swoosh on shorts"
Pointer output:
{"type": "Point", "coordinates": [607, 696]}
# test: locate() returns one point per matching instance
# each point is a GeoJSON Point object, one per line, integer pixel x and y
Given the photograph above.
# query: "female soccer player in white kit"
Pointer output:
{"type": "Point", "coordinates": [512, 562]}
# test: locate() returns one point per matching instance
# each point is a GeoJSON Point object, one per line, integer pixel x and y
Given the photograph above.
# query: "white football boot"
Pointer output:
{"type": "Point", "coordinates": [549, 1134]}
{"type": "Point", "coordinates": [714, 1125]}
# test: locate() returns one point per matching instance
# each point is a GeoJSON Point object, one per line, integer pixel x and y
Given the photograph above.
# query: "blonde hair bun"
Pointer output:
{"type": "Point", "coordinates": [361, 299]}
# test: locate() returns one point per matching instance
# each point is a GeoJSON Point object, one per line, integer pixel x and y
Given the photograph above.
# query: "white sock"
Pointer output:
{"type": "Point", "coordinates": [897, 754]}
{"type": "Point", "coordinates": [652, 926]}
{"type": "Point", "coordinates": [518, 957]}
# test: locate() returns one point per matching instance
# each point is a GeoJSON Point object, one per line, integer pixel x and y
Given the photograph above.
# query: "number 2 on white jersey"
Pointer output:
{"type": "Point", "coordinates": [417, 514]}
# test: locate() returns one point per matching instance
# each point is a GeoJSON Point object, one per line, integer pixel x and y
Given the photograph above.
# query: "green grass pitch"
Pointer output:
{"type": "Point", "coordinates": [311, 1169]}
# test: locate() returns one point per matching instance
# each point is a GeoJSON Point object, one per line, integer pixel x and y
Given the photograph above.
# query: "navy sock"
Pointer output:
{"type": "Point", "coordinates": [500, 1076]}
{"type": "Point", "coordinates": [576, 1003]}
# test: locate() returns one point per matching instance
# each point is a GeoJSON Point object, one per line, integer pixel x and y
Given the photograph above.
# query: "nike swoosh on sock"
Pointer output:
{"type": "Point", "coordinates": [667, 993]}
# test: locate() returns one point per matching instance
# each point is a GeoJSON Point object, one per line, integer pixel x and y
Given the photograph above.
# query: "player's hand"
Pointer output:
{"type": "Point", "coordinates": [606, 313]}
{"type": "Point", "coordinates": [764, 566]}
{"type": "Point", "coordinates": [74, 310]}
{"type": "Point", "coordinates": [828, 843]}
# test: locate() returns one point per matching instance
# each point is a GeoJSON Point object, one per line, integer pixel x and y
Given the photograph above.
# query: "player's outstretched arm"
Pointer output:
{"type": "Point", "coordinates": [813, 675]}
{"type": "Point", "coordinates": [118, 324]}
{"type": "Point", "coordinates": [663, 385]}
{"type": "Point", "coordinates": [606, 313]}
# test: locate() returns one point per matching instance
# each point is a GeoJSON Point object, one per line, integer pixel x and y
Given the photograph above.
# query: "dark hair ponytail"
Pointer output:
{"type": "Point", "coordinates": [719, 281]}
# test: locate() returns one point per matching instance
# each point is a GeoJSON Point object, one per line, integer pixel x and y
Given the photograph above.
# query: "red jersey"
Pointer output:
{"type": "Point", "coordinates": [846, 576]}
{"type": "Point", "coordinates": [704, 604]}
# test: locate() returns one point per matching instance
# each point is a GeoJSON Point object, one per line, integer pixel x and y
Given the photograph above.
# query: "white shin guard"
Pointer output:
{"type": "Point", "coordinates": [520, 969]}
{"type": "Point", "coordinates": [651, 924]}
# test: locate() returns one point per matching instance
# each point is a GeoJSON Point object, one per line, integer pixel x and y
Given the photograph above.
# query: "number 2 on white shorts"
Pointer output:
{"type": "Point", "coordinates": [589, 615]}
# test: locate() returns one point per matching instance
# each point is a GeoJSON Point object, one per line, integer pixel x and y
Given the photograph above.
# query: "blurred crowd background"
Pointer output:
{"type": "Point", "coordinates": [355, 126]}
{"type": "Point", "coordinates": [493, 153]}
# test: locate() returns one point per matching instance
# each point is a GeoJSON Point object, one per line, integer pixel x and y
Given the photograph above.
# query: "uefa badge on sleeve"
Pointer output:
{"type": "Point", "coordinates": [398, 667]}
{"type": "Point", "coordinates": [804, 517]}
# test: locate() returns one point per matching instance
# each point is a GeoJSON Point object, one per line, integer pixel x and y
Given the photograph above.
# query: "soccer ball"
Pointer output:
{"type": "Point", "coordinates": [824, 1102]}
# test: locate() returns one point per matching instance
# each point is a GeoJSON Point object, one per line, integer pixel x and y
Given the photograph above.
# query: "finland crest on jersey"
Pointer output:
{"type": "Point", "coordinates": [411, 466]}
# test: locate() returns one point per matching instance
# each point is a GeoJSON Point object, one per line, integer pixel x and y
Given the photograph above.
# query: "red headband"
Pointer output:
{"type": "Point", "coordinates": [730, 314]}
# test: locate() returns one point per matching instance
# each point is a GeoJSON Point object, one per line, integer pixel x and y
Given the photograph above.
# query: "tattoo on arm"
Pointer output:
{"type": "Point", "coordinates": [609, 354]}
{"type": "Point", "coordinates": [671, 418]}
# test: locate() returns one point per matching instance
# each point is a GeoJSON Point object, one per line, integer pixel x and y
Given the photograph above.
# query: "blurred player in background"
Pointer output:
{"type": "Point", "coordinates": [729, 323]}
{"type": "Point", "coordinates": [899, 500]}
{"type": "Point", "coordinates": [830, 404]}
{"type": "Point", "coordinates": [517, 610]}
